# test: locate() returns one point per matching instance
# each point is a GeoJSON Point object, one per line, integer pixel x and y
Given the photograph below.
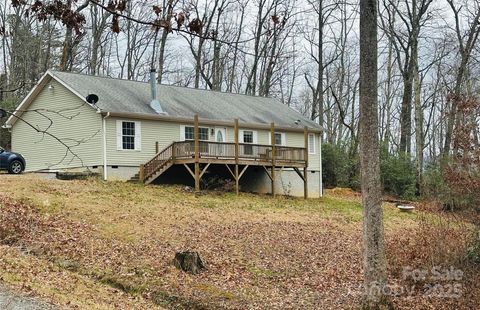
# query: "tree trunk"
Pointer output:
{"type": "Point", "coordinates": [67, 49]}
{"type": "Point", "coordinates": [406, 110]}
{"type": "Point", "coordinates": [374, 261]}
{"type": "Point", "coordinates": [419, 132]}
{"type": "Point", "coordinates": [320, 87]}
{"type": "Point", "coordinates": [69, 43]}
{"type": "Point", "coordinates": [168, 10]}
{"type": "Point", "coordinates": [235, 53]}
{"type": "Point", "coordinates": [161, 56]}
{"type": "Point", "coordinates": [216, 70]}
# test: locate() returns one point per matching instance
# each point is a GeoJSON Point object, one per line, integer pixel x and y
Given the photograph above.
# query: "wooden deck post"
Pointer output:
{"type": "Point", "coordinates": [305, 170]}
{"type": "Point", "coordinates": [197, 153]}
{"type": "Point", "coordinates": [141, 174]}
{"type": "Point", "coordinates": [174, 152]}
{"type": "Point", "coordinates": [237, 181]}
{"type": "Point", "coordinates": [272, 140]}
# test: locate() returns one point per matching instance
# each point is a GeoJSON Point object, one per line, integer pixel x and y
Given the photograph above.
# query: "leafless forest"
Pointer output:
{"type": "Point", "coordinates": [304, 52]}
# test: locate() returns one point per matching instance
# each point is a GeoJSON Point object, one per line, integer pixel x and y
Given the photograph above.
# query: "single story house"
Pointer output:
{"type": "Point", "coordinates": [127, 130]}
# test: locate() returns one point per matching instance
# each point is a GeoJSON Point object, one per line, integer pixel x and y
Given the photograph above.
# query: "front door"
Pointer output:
{"type": "Point", "coordinates": [220, 137]}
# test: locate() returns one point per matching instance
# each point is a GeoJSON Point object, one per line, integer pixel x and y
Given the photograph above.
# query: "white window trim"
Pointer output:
{"type": "Point", "coordinates": [138, 135]}
{"type": "Point", "coordinates": [241, 137]}
{"type": "Point", "coordinates": [314, 144]}
{"type": "Point", "coordinates": [182, 132]}
{"type": "Point", "coordinates": [284, 138]}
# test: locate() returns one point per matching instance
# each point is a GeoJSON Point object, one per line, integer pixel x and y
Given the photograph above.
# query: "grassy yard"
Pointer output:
{"type": "Point", "coordinates": [95, 245]}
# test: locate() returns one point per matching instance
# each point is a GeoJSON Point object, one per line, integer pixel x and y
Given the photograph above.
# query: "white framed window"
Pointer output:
{"type": "Point", "coordinates": [248, 137]}
{"type": "Point", "coordinates": [280, 139]}
{"type": "Point", "coordinates": [312, 148]}
{"type": "Point", "coordinates": [188, 133]}
{"type": "Point", "coordinates": [129, 135]}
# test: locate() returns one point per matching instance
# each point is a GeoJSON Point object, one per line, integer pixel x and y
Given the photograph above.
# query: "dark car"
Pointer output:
{"type": "Point", "coordinates": [13, 162]}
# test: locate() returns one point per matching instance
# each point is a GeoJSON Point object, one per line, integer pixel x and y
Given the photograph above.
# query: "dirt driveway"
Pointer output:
{"type": "Point", "coordinates": [12, 301]}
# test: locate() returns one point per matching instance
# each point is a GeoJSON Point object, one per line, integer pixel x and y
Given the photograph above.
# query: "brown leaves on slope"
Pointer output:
{"type": "Point", "coordinates": [25, 226]}
{"type": "Point", "coordinates": [254, 264]}
{"type": "Point", "coordinates": [17, 220]}
{"type": "Point", "coordinates": [261, 253]}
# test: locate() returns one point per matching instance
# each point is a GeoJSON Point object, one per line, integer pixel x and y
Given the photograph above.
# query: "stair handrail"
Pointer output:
{"type": "Point", "coordinates": [158, 161]}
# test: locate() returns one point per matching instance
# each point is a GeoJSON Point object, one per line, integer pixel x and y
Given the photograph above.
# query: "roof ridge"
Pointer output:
{"type": "Point", "coordinates": [164, 85]}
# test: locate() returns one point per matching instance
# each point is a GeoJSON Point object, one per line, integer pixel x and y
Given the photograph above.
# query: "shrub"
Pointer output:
{"type": "Point", "coordinates": [474, 249]}
{"type": "Point", "coordinates": [398, 175]}
{"type": "Point", "coordinates": [435, 188]}
{"type": "Point", "coordinates": [339, 168]}
{"type": "Point", "coordinates": [461, 171]}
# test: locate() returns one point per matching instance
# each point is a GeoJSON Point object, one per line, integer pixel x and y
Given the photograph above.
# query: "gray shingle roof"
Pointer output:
{"type": "Point", "coordinates": [124, 96]}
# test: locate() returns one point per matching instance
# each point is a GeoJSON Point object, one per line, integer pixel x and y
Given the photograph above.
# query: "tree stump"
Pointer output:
{"type": "Point", "coordinates": [189, 261]}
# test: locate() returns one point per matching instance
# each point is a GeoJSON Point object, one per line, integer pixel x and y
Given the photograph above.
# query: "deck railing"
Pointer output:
{"type": "Point", "coordinates": [224, 151]}
{"type": "Point", "coordinates": [246, 151]}
{"type": "Point", "coordinates": [158, 161]}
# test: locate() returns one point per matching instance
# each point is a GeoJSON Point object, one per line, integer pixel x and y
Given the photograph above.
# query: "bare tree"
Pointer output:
{"type": "Point", "coordinates": [71, 41]}
{"type": "Point", "coordinates": [99, 20]}
{"type": "Point", "coordinates": [323, 11]}
{"type": "Point", "coordinates": [412, 14]}
{"type": "Point", "coordinates": [466, 43]}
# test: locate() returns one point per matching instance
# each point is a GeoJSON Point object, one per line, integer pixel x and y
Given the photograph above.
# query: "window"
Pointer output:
{"type": "Point", "coordinates": [311, 143]}
{"type": "Point", "coordinates": [128, 135]}
{"type": "Point", "coordinates": [187, 133]}
{"type": "Point", "coordinates": [248, 136]}
{"type": "Point", "coordinates": [203, 134]}
{"type": "Point", "coordinates": [279, 138]}
{"type": "Point", "coordinates": [190, 133]}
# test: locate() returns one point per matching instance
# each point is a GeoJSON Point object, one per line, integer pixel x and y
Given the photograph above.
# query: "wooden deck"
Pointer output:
{"type": "Point", "coordinates": [248, 154]}
{"type": "Point", "coordinates": [237, 157]}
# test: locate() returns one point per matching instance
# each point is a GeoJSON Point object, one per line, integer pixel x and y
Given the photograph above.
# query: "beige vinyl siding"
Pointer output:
{"type": "Point", "coordinates": [166, 132]}
{"type": "Point", "coordinates": [73, 121]}
{"type": "Point", "coordinates": [151, 131]}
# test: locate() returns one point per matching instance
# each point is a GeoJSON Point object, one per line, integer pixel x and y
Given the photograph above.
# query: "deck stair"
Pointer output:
{"type": "Point", "coordinates": [158, 164]}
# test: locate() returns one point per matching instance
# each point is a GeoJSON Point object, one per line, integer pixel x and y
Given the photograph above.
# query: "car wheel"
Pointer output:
{"type": "Point", "coordinates": [15, 167]}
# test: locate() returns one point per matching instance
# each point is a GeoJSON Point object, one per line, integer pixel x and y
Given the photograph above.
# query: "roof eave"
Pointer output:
{"type": "Point", "coordinates": [203, 121]}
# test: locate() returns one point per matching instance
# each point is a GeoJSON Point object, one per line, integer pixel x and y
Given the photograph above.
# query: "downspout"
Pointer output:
{"type": "Point", "coordinates": [105, 176]}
